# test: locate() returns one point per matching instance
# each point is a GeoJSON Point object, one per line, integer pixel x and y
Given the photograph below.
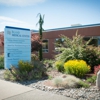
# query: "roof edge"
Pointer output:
{"type": "Point", "coordinates": [72, 27]}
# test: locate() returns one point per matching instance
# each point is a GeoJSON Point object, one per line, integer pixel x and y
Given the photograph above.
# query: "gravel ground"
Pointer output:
{"type": "Point", "coordinates": [91, 93]}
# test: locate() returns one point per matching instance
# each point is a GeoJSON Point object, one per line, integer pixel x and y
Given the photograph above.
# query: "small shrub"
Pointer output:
{"type": "Point", "coordinates": [8, 75]}
{"type": "Point", "coordinates": [91, 56]}
{"type": "Point", "coordinates": [83, 84]}
{"type": "Point", "coordinates": [25, 71]}
{"type": "Point", "coordinates": [58, 82]}
{"type": "Point", "coordinates": [39, 68]}
{"type": "Point", "coordinates": [76, 67]}
{"type": "Point", "coordinates": [2, 62]}
{"type": "Point", "coordinates": [92, 79]}
{"type": "Point", "coordinates": [34, 57]}
{"type": "Point", "coordinates": [14, 74]}
{"type": "Point", "coordinates": [59, 66]}
{"type": "Point", "coordinates": [71, 81]}
{"type": "Point", "coordinates": [50, 77]}
{"type": "Point", "coordinates": [66, 81]}
{"type": "Point", "coordinates": [25, 66]}
{"type": "Point", "coordinates": [48, 62]}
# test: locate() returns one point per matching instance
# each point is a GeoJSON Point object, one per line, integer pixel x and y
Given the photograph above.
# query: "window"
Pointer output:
{"type": "Point", "coordinates": [58, 43]}
{"type": "Point", "coordinates": [93, 42]}
{"type": "Point", "coordinates": [45, 46]}
{"type": "Point", "coordinates": [98, 41]}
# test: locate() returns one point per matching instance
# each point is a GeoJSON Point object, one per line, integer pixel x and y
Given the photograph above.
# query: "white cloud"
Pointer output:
{"type": "Point", "coordinates": [6, 21]}
{"type": "Point", "coordinates": [20, 2]}
{"type": "Point", "coordinates": [3, 18]}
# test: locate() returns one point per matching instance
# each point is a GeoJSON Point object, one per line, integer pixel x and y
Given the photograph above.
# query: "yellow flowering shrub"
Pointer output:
{"type": "Point", "coordinates": [25, 66]}
{"type": "Point", "coordinates": [76, 67]}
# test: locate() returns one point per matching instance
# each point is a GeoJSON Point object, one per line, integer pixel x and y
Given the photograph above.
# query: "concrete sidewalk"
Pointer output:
{"type": "Point", "coordinates": [12, 91]}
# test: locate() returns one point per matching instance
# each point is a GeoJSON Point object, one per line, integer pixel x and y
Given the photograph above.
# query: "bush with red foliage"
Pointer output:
{"type": "Point", "coordinates": [92, 56]}
{"type": "Point", "coordinates": [1, 39]}
{"type": "Point", "coordinates": [36, 43]}
{"type": "Point", "coordinates": [96, 69]}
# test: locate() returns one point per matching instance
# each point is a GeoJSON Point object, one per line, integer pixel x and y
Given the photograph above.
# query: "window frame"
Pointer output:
{"type": "Point", "coordinates": [55, 45]}
{"type": "Point", "coordinates": [43, 50]}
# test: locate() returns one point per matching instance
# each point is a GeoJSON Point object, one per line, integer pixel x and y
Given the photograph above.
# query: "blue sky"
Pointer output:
{"type": "Point", "coordinates": [58, 13]}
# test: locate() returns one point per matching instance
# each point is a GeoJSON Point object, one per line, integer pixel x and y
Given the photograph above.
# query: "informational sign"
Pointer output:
{"type": "Point", "coordinates": [17, 46]}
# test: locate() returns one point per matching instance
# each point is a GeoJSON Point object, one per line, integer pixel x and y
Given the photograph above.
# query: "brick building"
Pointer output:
{"type": "Point", "coordinates": [52, 35]}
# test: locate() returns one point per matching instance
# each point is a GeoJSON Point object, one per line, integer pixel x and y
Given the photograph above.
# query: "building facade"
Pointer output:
{"type": "Point", "coordinates": [52, 35]}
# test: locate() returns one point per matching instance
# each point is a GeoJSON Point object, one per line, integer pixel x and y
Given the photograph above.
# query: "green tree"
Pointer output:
{"type": "Point", "coordinates": [40, 22]}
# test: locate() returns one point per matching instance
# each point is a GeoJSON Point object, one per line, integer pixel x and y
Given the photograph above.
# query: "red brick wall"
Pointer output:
{"type": "Point", "coordinates": [1, 50]}
{"type": "Point", "coordinates": [52, 35]}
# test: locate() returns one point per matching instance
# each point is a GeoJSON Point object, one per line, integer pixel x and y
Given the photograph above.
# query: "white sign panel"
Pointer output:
{"type": "Point", "coordinates": [17, 46]}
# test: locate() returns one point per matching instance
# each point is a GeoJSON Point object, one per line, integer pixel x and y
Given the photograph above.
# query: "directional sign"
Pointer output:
{"type": "Point", "coordinates": [17, 46]}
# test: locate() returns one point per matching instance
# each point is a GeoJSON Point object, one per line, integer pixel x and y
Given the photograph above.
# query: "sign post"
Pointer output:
{"type": "Point", "coordinates": [17, 46]}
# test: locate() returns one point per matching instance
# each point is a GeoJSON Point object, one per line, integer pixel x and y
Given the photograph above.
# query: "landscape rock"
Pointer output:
{"type": "Point", "coordinates": [98, 80]}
